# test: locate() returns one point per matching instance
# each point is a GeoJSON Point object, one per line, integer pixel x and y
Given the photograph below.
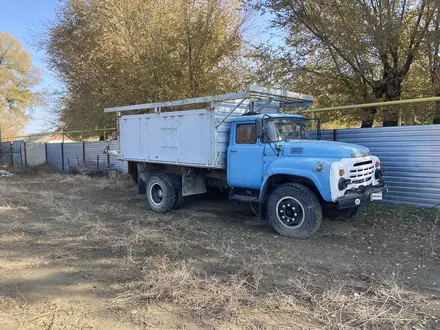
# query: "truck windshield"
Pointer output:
{"type": "Point", "coordinates": [286, 129]}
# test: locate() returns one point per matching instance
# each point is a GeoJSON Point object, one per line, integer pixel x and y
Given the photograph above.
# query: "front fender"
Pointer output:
{"type": "Point", "coordinates": [306, 168]}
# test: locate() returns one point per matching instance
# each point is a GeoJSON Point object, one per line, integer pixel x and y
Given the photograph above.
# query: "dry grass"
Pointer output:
{"type": "Point", "coordinates": [237, 295]}
{"type": "Point", "coordinates": [56, 314]}
{"type": "Point", "coordinates": [171, 250]}
{"type": "Point", "coordinates": [37, 170]}
{"type": "Point", "coordinates": [434, 233]}
{"type": "Point", "coordinates": [237, 299]}
{"type": "Point", "coordinates": [8, 206]}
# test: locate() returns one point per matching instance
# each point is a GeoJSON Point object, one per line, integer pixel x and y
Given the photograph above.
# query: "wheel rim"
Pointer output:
{"type": "Point", "coordinates": [156, 194]}
{"type": "Point", "coordinates": [290, 212]}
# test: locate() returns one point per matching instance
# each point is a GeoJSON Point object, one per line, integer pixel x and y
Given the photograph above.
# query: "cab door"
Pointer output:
{"type": "Point", "coordinates": [245, 157]}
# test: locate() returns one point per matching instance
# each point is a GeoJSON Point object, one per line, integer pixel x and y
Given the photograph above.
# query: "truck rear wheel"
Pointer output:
{"type": "Point", "coordinates": [294, 211]}
{"type": "Point", "coordinates": [177, 181]}
{"type": "Point", "coordinates": [161, 193]}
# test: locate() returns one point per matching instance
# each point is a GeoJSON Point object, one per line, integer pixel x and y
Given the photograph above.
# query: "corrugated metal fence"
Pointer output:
{"type": "Point", "coordinates": [410, 156]}
{"type": "Point", "coordinates": [62, 155]}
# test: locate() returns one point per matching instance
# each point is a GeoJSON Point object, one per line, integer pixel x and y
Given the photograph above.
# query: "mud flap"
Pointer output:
{"type": "Point", "coordinates": [142, 178]}
{"type": "Point", "coordinates": [193, 184]}
{"type": "Point", "coordinates": [142, 182]}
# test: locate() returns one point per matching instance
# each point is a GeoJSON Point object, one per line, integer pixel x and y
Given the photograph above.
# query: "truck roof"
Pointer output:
{"type": "Point", "coordinates": [271, 115]}
{"type": "Point", "coordinates": [254, 92]}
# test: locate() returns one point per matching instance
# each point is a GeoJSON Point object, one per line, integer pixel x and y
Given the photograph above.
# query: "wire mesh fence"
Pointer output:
{"type": "Point", "coordinates": [11, 154]}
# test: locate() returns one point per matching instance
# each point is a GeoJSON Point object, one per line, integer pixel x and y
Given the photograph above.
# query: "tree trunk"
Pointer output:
{"type": "Point", "coordinates": [370, 113]}
{"type": "Point", "coordinates": [369, 120]}
{"type": "Point", "coordinates": [436, 119]}
{"type": "Point", "coordinates": [389, 123]}
{"type": "Point", "coordinates": [393, 91]}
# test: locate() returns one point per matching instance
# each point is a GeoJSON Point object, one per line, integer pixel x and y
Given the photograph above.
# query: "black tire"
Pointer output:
{"type": "Point", "coordinates": [177, 181]}
{"type": "Point", "coordinates": [161, 194]}
{"type": "Point", "coordinates": [345, 214]}
{"type": "Point", "coordinates": [301, 208]}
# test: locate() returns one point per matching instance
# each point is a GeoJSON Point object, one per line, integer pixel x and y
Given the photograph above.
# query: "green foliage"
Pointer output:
{"type": "Point", "coordinates": [346, 51]}
{"type": "Point", "coordinates": [112, 52]}
{"type": "Point", "coordinates": [17, 79]}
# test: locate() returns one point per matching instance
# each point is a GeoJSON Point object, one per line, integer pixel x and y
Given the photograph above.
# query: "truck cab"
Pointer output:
{"type": "Point", "coordinates": [244, 142]}
{"type": "Point", "coordinates": [295, 177]}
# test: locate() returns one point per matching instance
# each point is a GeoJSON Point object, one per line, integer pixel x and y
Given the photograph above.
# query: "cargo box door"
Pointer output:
{"type": "Point", "coordinates": [130, 132]}
{"type": "Point", "coordinates": [195, 138]}
{"type": "Point", "coordinates": [162, 138]}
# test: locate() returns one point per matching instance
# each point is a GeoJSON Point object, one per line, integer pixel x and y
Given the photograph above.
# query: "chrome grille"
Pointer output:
{"type": "Point", "coordinates": [362, 172]}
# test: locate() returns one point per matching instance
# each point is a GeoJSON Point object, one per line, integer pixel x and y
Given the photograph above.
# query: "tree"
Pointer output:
{"type": "Point", "coordinates": [360, 49]}
{"type": "Point", "coordinates": [18, 77]}
{"type": "Point", "coordinates": [112, 52]}
{"type": "Point", "coordinates": [432, 49]}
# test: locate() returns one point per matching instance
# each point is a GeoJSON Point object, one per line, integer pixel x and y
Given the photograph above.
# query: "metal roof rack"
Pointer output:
{"type": "Point", "coordinates": [254, 92]}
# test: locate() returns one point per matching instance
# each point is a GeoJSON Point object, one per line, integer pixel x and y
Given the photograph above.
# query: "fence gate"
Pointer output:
{"type": "Point", "coordinates": [11, 153]}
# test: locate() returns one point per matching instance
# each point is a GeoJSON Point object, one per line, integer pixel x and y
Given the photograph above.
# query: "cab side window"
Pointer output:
{"type": "Point", "coordinates": [246, 134]}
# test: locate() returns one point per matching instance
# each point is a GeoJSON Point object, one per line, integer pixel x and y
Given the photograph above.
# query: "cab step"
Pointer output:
{"type": "Point", "coordinates": [244, 195]}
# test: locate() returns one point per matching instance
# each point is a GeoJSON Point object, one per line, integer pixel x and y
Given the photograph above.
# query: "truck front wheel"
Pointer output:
{"type": "Point", "coordinates": [294, 211]}
{"type": "Point", "coordinates": [161, 193]}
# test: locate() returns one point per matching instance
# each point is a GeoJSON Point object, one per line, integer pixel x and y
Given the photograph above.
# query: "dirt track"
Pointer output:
{"type": "Point", "coordinates": [81, 253]}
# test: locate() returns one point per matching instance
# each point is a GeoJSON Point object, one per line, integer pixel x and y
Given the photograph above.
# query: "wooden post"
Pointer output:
{"type": "Point", "coordinates": [97, 162]}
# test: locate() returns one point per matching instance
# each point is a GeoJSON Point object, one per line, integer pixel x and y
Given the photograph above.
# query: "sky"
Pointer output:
{"type": "Point", "coordinates": [25, 19]}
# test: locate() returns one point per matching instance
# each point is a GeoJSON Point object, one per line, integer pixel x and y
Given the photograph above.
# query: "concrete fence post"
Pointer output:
{"type": "Point", "coordinates": [62, 156]}
{"type": "Point", "coordinates": [11, 152]}
{"type": "Point", "coordinates": [25, 154]}
{"type": "Point", "coordinates": [84, 152]}
{"type": "Point", "coordinates": [21, 156]}
{"type": "Point", "coordinates": [45, 153]}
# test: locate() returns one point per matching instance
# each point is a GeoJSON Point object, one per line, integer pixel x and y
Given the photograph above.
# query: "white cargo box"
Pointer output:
{"type": "Point", "coordinates": [196, 138]}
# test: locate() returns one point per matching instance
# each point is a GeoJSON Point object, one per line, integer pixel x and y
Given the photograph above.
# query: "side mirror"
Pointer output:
{"type": "Point", "coordinates": [259, 127]}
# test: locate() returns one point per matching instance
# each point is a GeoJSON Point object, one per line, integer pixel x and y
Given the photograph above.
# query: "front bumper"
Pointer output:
{"type": "Point", "coordinates": [361, 196]}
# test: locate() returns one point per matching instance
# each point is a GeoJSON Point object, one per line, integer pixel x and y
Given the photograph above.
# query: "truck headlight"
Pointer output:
{"type": "Point", "coordinates": [343, 183]}
{"type": "Point", "coordinates": [378, 174]}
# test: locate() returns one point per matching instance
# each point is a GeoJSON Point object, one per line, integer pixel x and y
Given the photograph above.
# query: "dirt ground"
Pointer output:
{"type": "Point", "coordinates": [85, 253]}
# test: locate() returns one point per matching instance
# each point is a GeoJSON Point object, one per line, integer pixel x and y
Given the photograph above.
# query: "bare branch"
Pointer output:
{"type": "Point", "coordinates": [2, 56]}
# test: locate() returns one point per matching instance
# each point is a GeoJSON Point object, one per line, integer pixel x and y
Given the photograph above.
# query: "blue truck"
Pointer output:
{"type": "Point", "coordinates": [252, 144]}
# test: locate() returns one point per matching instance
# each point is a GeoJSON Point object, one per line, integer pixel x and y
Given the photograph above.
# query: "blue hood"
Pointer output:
{"type": "Point", "coordinates": [322, 149]}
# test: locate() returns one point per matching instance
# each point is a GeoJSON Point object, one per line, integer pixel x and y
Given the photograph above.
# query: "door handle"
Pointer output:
{"type": "Point", "coordinates": [234, 150]}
